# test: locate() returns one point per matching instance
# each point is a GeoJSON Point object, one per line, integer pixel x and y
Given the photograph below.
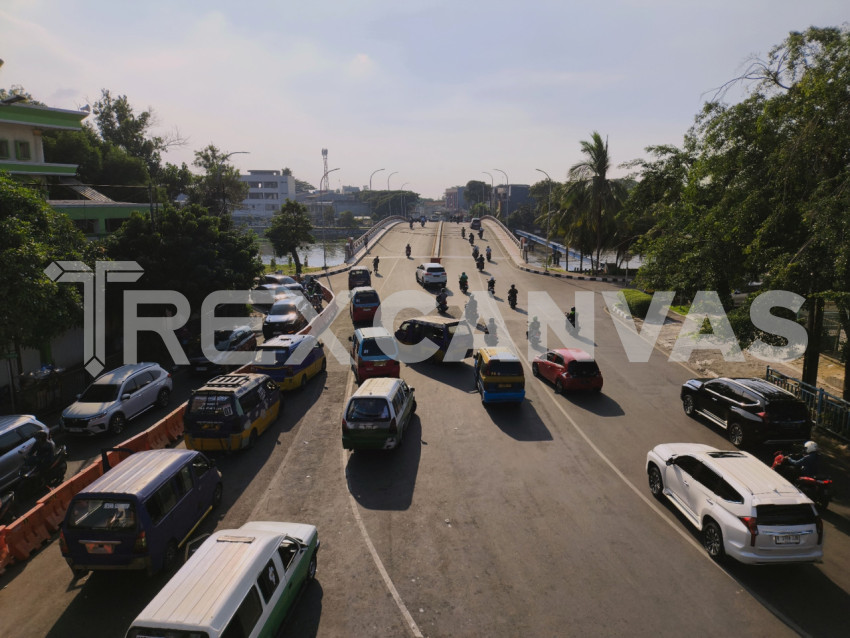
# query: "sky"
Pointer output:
{"type": "Point", "coordinates": [434, 92]}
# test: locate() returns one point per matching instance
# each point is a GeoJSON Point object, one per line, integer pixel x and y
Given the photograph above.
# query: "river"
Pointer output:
{"type": "Point", "coordinates": [313, 255]}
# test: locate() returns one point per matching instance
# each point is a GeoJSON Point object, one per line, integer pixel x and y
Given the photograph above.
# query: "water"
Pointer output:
{"type": "Point", "coordinates": [312, 255]}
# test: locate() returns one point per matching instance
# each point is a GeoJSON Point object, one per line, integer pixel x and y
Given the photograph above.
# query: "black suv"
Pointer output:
{"type": "Point", "coordinates": [750, 410]}
{"type": "Point", "coordinates": [359, 276]}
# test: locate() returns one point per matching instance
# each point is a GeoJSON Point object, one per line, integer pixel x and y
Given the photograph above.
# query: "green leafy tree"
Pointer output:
{"type": "Point", "coordinates": [346, 219]}
{"type": "Point", "coordinates": [219, 188]}
{"type": "Point", "coordinates": [477, 192]}
{"type": "Point", "coordinates": [522, 218]}
{"type": "Point", "coordinates": [479, 210]}
{"type": "Point", "coordinates": [290, 230]}
{"type": "Point", "coordinates": [32, 235]}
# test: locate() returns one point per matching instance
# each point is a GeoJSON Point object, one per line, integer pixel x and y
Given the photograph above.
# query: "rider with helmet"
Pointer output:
{"type": "Point", "coordinates": [375, 263]}
{"type": "Point", "coordinates": [491, 285]}
{"type": "Point", "coordinates": [42, 452]}
{"type": "Point", "coordinates": [512, 293]}
{"type": "Point", "coordinates": [442, 297]}
{"type": "Point", "coordinates": [809, 463]}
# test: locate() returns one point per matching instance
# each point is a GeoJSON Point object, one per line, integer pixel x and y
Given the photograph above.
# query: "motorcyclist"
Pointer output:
{"type": "Point", "coordinates": [571, 316]}
{"type": "Point", "coordinates": [488, 252]}
{"type": "Point", "coordinates": [463, 280]}
{"type": "Point", "coordinates": [480, 233]}
{"type": "Point", "coordinates": [809, 463]}
{"type": "Point", "coordinates": [534, 328]}
{"type": "Point", "coordinates": [512, 294]}
{"type": "Point", "coordinates": [491, 329]}
{"type": "Point", "coordinates": [471, 239]}
{"type": "Point", "coordinates": [471, 310]}
{"type": "Point", "coordinates": [407, 250]}
{"type": "Point", "coordinates": [475, 252]}
{"type": "Point", "coordinates": [463, 232]}
{"type": "Point", "coordinates": [42, 452]}
{"type": "Point", "coordinates": [442, 298]}
{"type": "Point", "coordinates": [480, 262]}
{"type": "Point", "coordinates": [411, 224]}
{"type": "Point", "coordinates": [375, 263]}
{"type": "Point", "coordinates": [491, 285]}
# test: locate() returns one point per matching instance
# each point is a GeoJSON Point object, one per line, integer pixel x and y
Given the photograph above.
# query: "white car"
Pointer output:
{"type": "Point", "coordinates": [431, 274]}
{"type": "Point", "coordinates": [743, 508]}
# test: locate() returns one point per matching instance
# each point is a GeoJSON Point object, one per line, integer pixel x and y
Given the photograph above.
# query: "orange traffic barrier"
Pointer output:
{"type": "Point", "coordinates": [54, 506]}
{"type": "Point", "coordinates": [26, 534]}
{"type": "Point", "coordinates": [138, 443]}
{"type": "Point", "coordinates": [174, 425]}
{"type": "Point", "coordinates": [157, 436]}
{"type": "Point", "coordinates": [5, 554]}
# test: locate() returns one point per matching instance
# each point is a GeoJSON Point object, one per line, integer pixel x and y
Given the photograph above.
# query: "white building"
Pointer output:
{"type": "Point", "coordinates": [268, 190]}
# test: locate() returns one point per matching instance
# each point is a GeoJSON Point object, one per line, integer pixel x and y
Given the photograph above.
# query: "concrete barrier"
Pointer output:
{"type": "Point", "coordinates": [27, 534]}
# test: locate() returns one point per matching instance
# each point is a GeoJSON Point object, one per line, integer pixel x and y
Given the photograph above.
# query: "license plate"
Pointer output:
{"type": "Point", "coordinates": [787, 539]}
{"type": "Point", "coordinates": [504, 385]}
{"type": "Point", "coordinates": [99, 548]}
{"type": "Point", "coordinates": [201, 368]}
{"type": "Point", "coordinates": [380, 364]}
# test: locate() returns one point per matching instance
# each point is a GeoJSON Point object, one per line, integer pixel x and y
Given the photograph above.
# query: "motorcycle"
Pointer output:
{"type": "Point", "coordinates": [34, 478]}
{"type": "Point", "coordinates": [480, 233]}
{"type": "Point", "coordinates": [491, 286]}
{"type": "Point", "coordinates": [411, 225]}
{"type": "Point", "coordinates": [572, 319]}
{"type": "Point", "coordinates": [488, 253]}
{"type": "Point", "coordinates": [480, 263]}
{"type": "Point", "coordinates": [471, 239]}
{"type": "Point", "coordinates": [490, 337]}
{"type": "Point", "coordinates": [463, 233]}
{"type": "Point", "coordinates": [464, 285]}
{"type": "Point", "coordinates": [512, 300]}
{"type": "Point", "coordinates": [407, 251]}
{"type": "Point", "coordinates": [475, 253]}
{"type": "Point", "coordinates": [316, 301]}
{"type": "Point", "coordinates": [442, 306]}
{"type": "Point", "coordinates": [816, 488]}
{"type": "Point", "coordinates": [533, 336]}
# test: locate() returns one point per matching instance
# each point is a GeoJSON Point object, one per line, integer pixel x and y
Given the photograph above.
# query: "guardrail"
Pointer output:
{"type": "Point", "coordinates": [828, 411]}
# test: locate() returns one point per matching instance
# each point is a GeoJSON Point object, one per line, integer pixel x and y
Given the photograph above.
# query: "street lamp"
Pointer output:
{"type": "Point", "coordinates": [508, 194]}
{"type": "Point", "coordinates": [221, 162]}
{"type": "Point", "coordinates": [372, 175]}
{"type": "Point", "coordinates": [371, 202]}
{"type": "Point", "coordinates": [324, 221]}
{"type": "Point", "coordinates": [491, 190]}
{"type": "Point", "coordinates": [549, 220]}
{"type": "Point", "coordinates": [388, 190]}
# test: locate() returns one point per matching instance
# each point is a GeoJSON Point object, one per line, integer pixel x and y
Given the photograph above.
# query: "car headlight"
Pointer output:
{"type": "Point", "coordinates": [99, 415]}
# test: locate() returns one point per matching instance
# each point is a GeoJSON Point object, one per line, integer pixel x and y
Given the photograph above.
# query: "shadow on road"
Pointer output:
{"type": "Point", "coordinates": [520, 422]}
{"type": "Point", "coordinates": [385, 479]}
{"type": "Point", "coordinates": [596, 402]}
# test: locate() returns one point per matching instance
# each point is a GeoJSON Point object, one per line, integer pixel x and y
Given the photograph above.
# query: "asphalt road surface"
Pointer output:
{"type": "Point", "coordinates": [487, 521]}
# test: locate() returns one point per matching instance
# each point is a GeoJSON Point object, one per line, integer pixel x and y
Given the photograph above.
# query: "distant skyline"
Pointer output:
{"type": "Point", "coordinates": [435, 91]}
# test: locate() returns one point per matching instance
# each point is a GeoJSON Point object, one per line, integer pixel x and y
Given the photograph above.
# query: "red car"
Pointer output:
{"type": "Point", "coordinates": [364, 304]}
{"type": "Point", "coordinates": [568, 369]}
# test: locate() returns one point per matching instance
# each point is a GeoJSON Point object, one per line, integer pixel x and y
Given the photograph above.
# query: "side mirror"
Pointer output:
{"type": "Point", "coordinates": [125, 397]}
{"type": "Point", "coordinates": [671, 461]}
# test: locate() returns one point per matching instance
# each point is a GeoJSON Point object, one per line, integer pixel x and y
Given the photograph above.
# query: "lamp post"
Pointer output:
{"type": "Point", "coordinates": [491, 190]}
{"type": "Point", "coordinates": [549, 220]}
{"type": "Point", "coordinates": [403, 209]}
{"type": "Point", "coordinates": [371, 203]}
{"type": "Point", "coordinates": [508, 193]}
{"type": "Point", "coordinates": [372, 175]}
{"type": "Point", "coordinates": [221, 162]}
{"type": "Point", "coordinates": [324, 221]}
{"type": "Point", "coordinates": [388, 190]}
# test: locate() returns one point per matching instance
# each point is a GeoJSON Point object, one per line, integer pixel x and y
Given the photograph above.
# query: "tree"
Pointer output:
{"type": "Point", "coordinates": [290, 230]}
{"type": "Point", "coordinates": [479, 210]}
{"type": "Point", "coordinates": [590, 184]}
{"type": "Point", "coordinates": [300, 185]}
{"type": "Point", "coordinates": [346, 219]}
{"type": "Point", "coordinates": [32, 235]}
{"type": "Point", "coordinates": [219, 188]}
{"type": "Point", "coordinates": [522, 218]}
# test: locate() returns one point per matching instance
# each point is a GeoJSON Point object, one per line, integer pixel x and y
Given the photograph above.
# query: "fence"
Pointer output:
{"type": "Point", "coordinates": [828, 411]}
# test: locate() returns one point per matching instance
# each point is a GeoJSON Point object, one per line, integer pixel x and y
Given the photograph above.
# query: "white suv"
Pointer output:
{"type": "Point", "coordinates": [431, 274]}
{"type": "Point", "coordinates": [743, 508]}
{"type": "Point", "coordinates": [117, 396]}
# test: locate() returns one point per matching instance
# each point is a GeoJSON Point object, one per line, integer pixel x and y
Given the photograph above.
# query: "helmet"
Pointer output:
{"type": "Point", "coordinates": [535, 318]}
{"type": "Point", "coordinates": [41, 435]}
{"type": "Point", "coordinates": [463, 274]}
{"type": "Point", "coordinates": [809, 447]}
{"type": "Point", "coordinates": [513, 285]}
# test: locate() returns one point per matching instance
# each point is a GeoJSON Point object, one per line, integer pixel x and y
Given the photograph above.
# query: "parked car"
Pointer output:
{"type": "Point", "coordinates": [568, 369]}
{"type": "Point", "coordinates": [17, 436]}
{"type": "Point", "coordinates": [284, 318]}
{"type": "Point", "coordinates": [377, 415]}
{"type": "Point", "coordinates": [750, 410]}
{"type": "Point", "coordinates": [742, 508]}
{"type": "Point", "coordinates": [364, 304]}
{"type": "Point", "coordinates": [374, 353]}
{"type": "Point", "coordinates": [240, 582]}
{"type": "Point", "coordinates": [117, 396]}
{"type": "Point", "coordinates": [359, 276]}
{"type": "Point", "coordinates": [431, 274]}
{"type": "Point", "coordinates": [237, 340]}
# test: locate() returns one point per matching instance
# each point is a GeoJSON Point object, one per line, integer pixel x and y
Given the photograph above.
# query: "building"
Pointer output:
{"type": "Point", "coordinates": [454, 199]}
{"type": "Point", "coordinates": [22, 155]}
{"type": "Point", "coordinates": [510, 197]}
{"type": "Point", "coordinates": [267, 191]}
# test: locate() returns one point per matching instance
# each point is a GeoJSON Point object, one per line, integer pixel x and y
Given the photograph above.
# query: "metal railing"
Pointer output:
{"type": "Point", "coordinates": [828, 411]}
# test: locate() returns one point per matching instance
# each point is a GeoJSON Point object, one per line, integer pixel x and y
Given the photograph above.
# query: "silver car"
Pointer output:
{"type": "Point", "coordinates": [17, 436]}
{"type": "Point", "coordinates": [117, 396]}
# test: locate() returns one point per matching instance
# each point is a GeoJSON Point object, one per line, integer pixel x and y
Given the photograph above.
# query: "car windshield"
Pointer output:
{"type": "Point", "coordinates": [283, 309]}
{"type": "Point", "coordinates": [380, 346]}
{"type": "Point", "coordinates": [798, 514]}
{"type": "Point", "coordinates": [437, 271]}
{"type": "Point", "coordinates": [100, 393]}
{"type": "Point", "coordinates": [366, 297]}
{"type": "Point", "coordinates": [498, 368]}
{"type": "Point", "coordinates": [281, 353]}
{"type": "Point", "coordinates": [787, 410]}
{"type": "Point", "coordinates": [98, 513]}
{"type": "Point", "coordinates": [210, 404]}
{"type": "Point", "coordinates": [368, 409]}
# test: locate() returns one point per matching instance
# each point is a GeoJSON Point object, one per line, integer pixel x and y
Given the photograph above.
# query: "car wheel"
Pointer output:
{"type": "Point", "coordinates": [117, 423]}
{"type": "Point", "coordinates": [535, 370]}
{"type": "Point", "coordinates": [712, 540]}
{"type": "Point", "coordinates": [559, 387]}
{"type": "Point", "coordinates": [252, 439]}
{"type": "Point", "coordinates": [216, 501]}
{"type": "Point", "coordinates": [169, 559]}
{"type": "Point", "coordinates": [736, 434]}
{"type": "Point", "coordinates": [162, 398]}
{"type": "Point", "coordinates": [413, 408]}
{"type": "Point", "coordinates": [688, 404]}
{"type": "Point", "coordinates": [303, 381]}
{"type": "Point", "coordinates": [311, 568]}
{"type": "Point", "coordinates": [324, 364]}
{"type": "Point", "coordinates": [656, 484]}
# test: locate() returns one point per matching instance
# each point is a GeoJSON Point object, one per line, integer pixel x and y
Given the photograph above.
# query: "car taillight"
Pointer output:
{"type": "Point", "coordinates": [763, 416]}
{"type": "Point", "coordinates": [63, 544]}
{"type": "Point", "coordinates": [393, 427]}
{"type": "Point", "coordinates": [345, 427]}
{"type": "Point", "coordinates": [141, 544]}
{"type": "Point", "coordinates": [751, 524]}
{"type": "Point", "coordinates": [819, 527]}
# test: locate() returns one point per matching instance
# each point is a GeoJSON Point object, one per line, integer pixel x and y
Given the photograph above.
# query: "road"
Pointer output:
{"type": "Point", "coordinates": [496, 521]}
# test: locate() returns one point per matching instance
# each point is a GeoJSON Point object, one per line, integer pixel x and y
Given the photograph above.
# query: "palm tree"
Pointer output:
{"type": "Point", "coordinates": [590, 185]}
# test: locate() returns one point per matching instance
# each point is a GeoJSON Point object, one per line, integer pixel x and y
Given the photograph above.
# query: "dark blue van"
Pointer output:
{"type": "Point", "coordinates": [139, 513]}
